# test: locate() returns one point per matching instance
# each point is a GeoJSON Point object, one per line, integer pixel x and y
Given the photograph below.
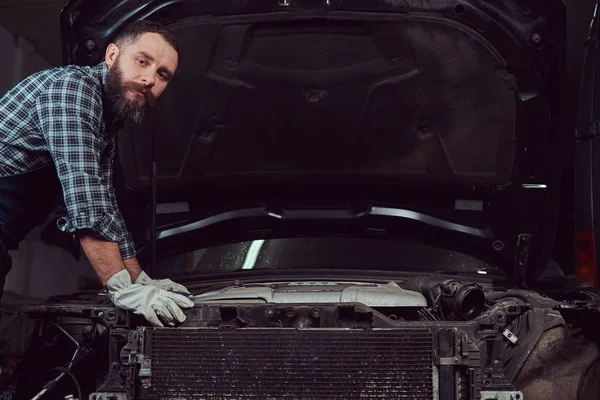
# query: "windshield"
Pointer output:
{"type": "Point", "coordinates": [323, 253]}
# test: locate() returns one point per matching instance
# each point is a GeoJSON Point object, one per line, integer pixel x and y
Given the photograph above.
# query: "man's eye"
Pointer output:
{"type": "Point", "coordinates": [142, 62]}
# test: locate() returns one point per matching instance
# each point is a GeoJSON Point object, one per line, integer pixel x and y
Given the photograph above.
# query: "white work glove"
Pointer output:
{"type": "Point", "coordinates": [165, 284]}
{"type": "Point", "coordinates": [154, 303]}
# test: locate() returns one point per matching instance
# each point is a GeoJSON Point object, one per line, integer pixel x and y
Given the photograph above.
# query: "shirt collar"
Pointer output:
{"type": "Point", "coordinates": [100, 71]}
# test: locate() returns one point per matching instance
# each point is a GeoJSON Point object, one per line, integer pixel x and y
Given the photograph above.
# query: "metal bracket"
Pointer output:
{"type": "Point", "coordinates": [450, 361]}
{"type": "Point", "coordinates": [510, 336]}
{"type": "Point", "coordinates": [130, 352]}
{"type": "Point", "coordinates": [592, 131]}
{"type": "Point", "coordinates": [146, 369]}
{"type": "Point", "coordinates": [501, 395]}
{"type": "Point", "coordinates": [145, 373]}
{"type": "Point", "coordinates": [108, 396]}
{"type": "Point", "coordinates": [522, 256]}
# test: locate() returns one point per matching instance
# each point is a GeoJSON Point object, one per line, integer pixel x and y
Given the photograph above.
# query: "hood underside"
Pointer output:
{"type": "Point", "coordinates": [451, 109]}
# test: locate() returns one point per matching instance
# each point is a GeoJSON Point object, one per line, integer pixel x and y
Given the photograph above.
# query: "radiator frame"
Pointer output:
{"type": "Point", "coordinates": [410, 335]}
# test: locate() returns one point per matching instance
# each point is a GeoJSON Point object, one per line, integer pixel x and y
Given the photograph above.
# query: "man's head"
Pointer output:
{"type": "Point", "coordinates": [141, 62]}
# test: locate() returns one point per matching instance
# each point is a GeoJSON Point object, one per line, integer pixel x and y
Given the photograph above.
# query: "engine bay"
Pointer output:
{"type": "Point", "coordinates": [428, 337]}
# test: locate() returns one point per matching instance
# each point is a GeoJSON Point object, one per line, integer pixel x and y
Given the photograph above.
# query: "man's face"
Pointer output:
{"type": "Point", "coordinates": [138, 74]}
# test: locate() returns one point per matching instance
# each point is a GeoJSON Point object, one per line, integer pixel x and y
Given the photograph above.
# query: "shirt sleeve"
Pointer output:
{"type": "Point", "coordinates": [126, 245]}
{"type": "Point", "coordinates": [70, 117]}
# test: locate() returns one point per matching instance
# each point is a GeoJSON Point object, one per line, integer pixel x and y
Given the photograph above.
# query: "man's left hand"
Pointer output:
{"type": "Point", "coordinates": [165, 284]}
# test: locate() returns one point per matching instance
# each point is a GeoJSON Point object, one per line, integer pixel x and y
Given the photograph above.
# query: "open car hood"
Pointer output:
{"type": "Point", "coordinates": [435, 121]}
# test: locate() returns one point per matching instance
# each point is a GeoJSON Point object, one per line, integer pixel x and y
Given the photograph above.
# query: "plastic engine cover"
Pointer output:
{"type": "Point", "coordinates": [369, 294]}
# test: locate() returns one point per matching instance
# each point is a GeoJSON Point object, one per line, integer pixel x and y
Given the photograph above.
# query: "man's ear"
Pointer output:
{"type": "Point", "coordinates": [112, 52]}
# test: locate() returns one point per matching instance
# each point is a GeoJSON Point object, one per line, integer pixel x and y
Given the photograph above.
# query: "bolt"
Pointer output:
{"type": "Point", "coordinates": [101, 314]}
{"type": "Point", "coordinates": [460, 9]}
{"type": "Point", "coordinates": [536, 38]}
{"type": "Point", "coordinates": [270, 312]}
{"type": "Point", "coordinates": [498, 245]}
{"type": "Point", "coordinates": [290, 313]}
{"type": "Point", "coordinates": [230, 64]}
{"type": "Point", "coordinates": [90, 45]}
{"type": "Point", "coordinates": [316, 313]}
{"type": "Point", "coordinates": [456, 360]}
{"type": "Point", "coordinates": [87, 330]}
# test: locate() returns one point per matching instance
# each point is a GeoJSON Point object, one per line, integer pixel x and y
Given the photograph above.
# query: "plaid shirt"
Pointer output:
{"type": "Point", "coordinates": [56, 117]}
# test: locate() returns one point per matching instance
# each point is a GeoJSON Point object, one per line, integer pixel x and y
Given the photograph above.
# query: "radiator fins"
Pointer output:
{"type": "Point", "coordinates": [291, 364]}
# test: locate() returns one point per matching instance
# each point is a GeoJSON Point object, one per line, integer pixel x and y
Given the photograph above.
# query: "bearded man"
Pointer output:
{"type": "Point", "coordinates": [58, 137]}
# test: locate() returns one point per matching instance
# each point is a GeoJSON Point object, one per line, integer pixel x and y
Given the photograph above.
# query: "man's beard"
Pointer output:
{"type": "Point", "coordinates": [122, 106]}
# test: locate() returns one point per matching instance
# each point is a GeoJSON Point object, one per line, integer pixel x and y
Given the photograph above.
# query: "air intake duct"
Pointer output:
{"type": "Point", "coordinates": [452, 299]}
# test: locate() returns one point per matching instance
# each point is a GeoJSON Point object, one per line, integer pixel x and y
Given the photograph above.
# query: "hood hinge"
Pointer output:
{"type": "Point", "coordinates": [522, 257]}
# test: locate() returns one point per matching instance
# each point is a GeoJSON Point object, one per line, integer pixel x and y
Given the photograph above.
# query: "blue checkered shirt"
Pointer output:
{"type": "Point", "coordinates": [56, 117]}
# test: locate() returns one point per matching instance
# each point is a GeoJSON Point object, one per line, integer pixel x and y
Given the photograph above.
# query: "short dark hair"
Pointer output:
{"type": "Point", "coordinates": [134, 30]}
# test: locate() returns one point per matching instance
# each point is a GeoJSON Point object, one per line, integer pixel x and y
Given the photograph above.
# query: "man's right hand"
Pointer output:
{"type": "Point", "coordinates": [154, 303]}
{"type": "Point", "coordinates": [166, 284]}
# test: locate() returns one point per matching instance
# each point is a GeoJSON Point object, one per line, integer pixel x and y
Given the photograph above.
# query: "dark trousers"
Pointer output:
{"type": "Point", "coordinates": [25, 201]}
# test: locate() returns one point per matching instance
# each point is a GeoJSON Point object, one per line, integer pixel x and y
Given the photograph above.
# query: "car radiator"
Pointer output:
{"type": "Point", "coordinates": [283, 363]}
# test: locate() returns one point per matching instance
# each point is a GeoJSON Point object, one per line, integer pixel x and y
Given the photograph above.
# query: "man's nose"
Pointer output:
{"type": "Point", "coordinates": [149, 78]}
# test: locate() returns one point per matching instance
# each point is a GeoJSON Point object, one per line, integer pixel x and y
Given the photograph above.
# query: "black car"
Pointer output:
{"type": "Point", "coordinates": [362, 197]}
